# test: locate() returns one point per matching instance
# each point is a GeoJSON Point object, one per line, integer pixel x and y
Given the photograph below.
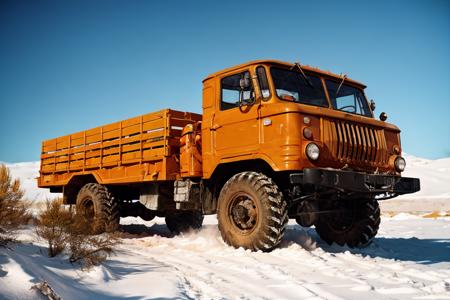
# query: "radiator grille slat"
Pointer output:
{"type": "Point", "coordinates": [369, 138]}
{"type": "Point", "coordinates": [354, 142]}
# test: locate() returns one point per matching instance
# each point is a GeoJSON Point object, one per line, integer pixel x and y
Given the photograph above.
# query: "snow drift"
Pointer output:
{"type": "Point", "coordinates": [434, 194]}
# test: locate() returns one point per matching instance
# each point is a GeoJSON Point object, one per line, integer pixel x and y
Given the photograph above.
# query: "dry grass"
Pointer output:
{"type": "Point", "coordinates": [46, 290]}
{"type": "Point", "coordinates": [63, 229]}
{"type": "Point", "coordinates": [437, 214]}
{"type": "Point", "coordinates": [13, 209]}
{"type": "Point", "coordinates": [86, 247]}
{"type": "Point", "coordinates": [431, 215]}
{"type": "Point", "coordinates": [52, 227]}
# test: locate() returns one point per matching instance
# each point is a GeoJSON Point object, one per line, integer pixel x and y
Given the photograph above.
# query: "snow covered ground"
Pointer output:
{"type": "Point", "coordinates": [409, 258]}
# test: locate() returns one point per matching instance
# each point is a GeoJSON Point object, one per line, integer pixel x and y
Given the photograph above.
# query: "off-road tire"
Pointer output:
{"type": "Point", "coordinates": [95, 202]}
{"type": "Point", "coordinates": [268, 205]}
{"type": "Point", "coordinates": [184, 221]}
{"type": "Point", "coordinates": [366, 221]}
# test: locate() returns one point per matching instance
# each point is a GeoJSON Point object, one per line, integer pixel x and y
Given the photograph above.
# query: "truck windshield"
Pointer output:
{"type": "Point", "coordinates": [348, 98]}
{"type": "Point", "coordinates": [292, 86]}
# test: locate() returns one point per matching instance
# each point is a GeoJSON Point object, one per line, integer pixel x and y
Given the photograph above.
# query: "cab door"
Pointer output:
{"type": "Point", "coordinates": [236, 124]}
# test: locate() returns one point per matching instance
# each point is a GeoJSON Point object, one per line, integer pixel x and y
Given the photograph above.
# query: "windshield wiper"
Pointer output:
{"type": "Point", "coordinates": [296, 64]}
{"type": "Point", "coordinates": [340, 84]}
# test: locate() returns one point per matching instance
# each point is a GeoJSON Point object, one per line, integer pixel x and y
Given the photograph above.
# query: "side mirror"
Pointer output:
{"type": "Point", "coordinates": [383, 116]}
{"type": "Point", "coordinates": [244, 83]}
{"type": "Point", "coordinates": [372, 105]}
{"type": "Point", "coordinates": [246, 95]}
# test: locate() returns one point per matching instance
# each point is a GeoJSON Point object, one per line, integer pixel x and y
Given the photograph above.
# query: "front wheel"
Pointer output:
{"type": "Point", "coordinates": [356, 226]}
{"type": "Point", "coordinates": [252, 212]}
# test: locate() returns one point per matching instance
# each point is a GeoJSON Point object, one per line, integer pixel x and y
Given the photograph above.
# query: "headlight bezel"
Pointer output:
{"type": "Point", "coordinates": [400, 164]}
{"type": "Point", "coordinates": [312, 151]}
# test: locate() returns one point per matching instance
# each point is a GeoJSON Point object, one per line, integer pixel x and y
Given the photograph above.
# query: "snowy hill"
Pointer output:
{"type": "Point", "coordinates": [434, 194]}
{"type": "Point", "coordinates": [27, 172]}
{"type": "Point", "coordinates": [434, 177]}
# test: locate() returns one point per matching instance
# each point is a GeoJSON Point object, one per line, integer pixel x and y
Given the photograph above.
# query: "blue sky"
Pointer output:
{"type": "Point", "coordinates": [68, 66]}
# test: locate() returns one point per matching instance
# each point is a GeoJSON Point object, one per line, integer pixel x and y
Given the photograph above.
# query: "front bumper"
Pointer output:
{"type": "Point", "coordinates": [349, 181]}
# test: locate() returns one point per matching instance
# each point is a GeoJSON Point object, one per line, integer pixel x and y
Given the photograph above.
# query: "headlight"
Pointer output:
{"type": "Point", "coordinates": [312, 151]}
{"type": "Point", "coordinates": [400, 164]}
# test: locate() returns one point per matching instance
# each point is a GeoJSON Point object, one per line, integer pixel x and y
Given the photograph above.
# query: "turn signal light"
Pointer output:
{"type": "Point", "coordinates": [307, 133]}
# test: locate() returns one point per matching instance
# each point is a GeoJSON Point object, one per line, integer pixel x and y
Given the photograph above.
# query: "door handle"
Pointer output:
{"type": "Point", "coordinates": [215, 126]}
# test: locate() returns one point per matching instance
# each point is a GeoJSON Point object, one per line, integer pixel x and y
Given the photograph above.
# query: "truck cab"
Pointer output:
{"type": "Point", "coordinates": [310, 132]}
{"type": "Point", "coordinates": [294, 117]}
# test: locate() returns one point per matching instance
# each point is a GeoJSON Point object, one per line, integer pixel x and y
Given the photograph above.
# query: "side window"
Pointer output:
{"type": "Point", "coordinates": [232, 92]}
{"type": "Point", "coordinates": [263, 83]}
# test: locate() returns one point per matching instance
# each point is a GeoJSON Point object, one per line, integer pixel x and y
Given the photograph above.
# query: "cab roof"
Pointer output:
{"type": "Point", "coordinates": [286, 64]}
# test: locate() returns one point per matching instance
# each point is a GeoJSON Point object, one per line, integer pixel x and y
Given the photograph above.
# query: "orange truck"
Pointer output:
{"type": "Point", "coordinates": [276, 141]}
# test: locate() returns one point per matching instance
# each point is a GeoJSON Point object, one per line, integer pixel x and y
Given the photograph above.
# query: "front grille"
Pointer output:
{"type": "Point", "coordinates": [351, 142]}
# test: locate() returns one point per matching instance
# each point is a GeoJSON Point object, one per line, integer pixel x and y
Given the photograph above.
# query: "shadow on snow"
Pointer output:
{"type": "Point", "coordinates": [422, 251]}
{"type": "Point", "coordinates": [34, 261]}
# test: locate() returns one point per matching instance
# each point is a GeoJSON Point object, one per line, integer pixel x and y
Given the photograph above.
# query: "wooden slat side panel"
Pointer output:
{"type": "Point", "coordinates": [93, 132]}
{"type": "Point", "coordinates": [154, 125]}
{"type": "Point", "coordinates": [94, 138]}
{"type": "Point", "coordinates": [179, 123]}
{"type": "Point", "coordinates": [131, 122]}
{"type": "Point", "coordinates": [146, 137]}
{"type": "Point", "coordinates": [154, 116]}
{"type": "Point", "coordinates": [111, 127]}
{"type": "Point", "coordinates": [131, 130]}
{"type": "Point", "coordinates": [111, 135]}
{"type": "Point", "coordinates": [185, 115]}
{"type": "Point", "coordinates": [49, 145]}
{"type": "Point", "coordinates": [77, 141]}
{"type": "Point", "coordinates": [136, 141]}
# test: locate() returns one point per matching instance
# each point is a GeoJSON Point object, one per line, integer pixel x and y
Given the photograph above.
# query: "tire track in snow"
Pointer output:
{"type": "Point", "coordinates": [209, 269]}
{"type": "Point", "coordinates": [225, 272]}
{"type": "Point", "coordinates": [204, 278]}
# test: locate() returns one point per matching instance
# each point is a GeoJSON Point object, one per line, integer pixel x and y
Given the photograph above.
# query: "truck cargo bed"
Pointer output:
{"type": "Point", "coordinates": [133, 150]}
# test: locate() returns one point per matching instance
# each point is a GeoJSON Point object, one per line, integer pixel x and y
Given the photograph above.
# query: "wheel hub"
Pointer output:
{"type": "Point", "coordinates": [88, 209]}
{"type": "Point", "coordinates": [343, 219]}
{"type": "Point", "coordinates": [243, 212]}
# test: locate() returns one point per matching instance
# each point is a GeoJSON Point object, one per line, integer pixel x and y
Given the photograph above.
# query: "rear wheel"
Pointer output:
{"type": "Point", "coordinates": [95, 203]}
{"type": "Point", "coordinates": [355, 226]}
{"type": "Point", "coordinates": [252, 212]}
{"type": "Point", "coordinates": [183, 221]}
